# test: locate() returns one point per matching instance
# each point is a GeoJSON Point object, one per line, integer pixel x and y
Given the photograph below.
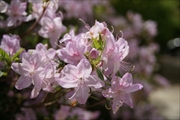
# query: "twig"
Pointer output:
{"type": "Point", "coordinates": [32, 27]}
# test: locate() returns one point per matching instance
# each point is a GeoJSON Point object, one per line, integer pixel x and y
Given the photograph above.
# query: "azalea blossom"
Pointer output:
{"type": "Point", "coordinates": [120, 91]}
{"type": "Point", "coordinates": [113, 55]}
{"type": "Point", "coordinates": [76, 47]}
{"type": "Point", "coordinates": [79, 77]}
{"type": "Point", "coordinates": [52, 29]}
{"type": "Point", "coordinates": [33, 70]}
{"type": "Point", "coordinates": [16, 12]}
{"type": "Point", "coordinates": [10, 44]}
{"type": "Point", "coordinates": [3, 6]}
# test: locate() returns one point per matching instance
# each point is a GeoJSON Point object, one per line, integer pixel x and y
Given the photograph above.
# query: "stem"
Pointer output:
{"type": "Point", "coordinates": [32, 27]}
{"type": "Point", "coordinates": [96, 104]}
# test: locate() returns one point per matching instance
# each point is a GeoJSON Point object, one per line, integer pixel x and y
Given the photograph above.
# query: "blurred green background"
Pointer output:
{"type": "Point", "coordinates": [165, 12]}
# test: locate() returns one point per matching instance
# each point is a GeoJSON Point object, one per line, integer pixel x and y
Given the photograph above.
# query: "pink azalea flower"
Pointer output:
{"type": "Point", "coordinates": [76, 46]}
{"type": "Point", "coordinates": [3, 6]}
{"type": "Point", "coordinates": [113, 55]}
{"type": "Point", "coordinates": [48, 54]}
{"type": "Point", "coordinates": [37, 10]}
{"type": "Point", "coordinates": [33, 70]}
{"type": "Point", "coordinates": [29, 114]}
{"type": "Point", "coordinates": [80, 78]}
{"type": "Point", "coordinates": [98, 28]}
{"type": "Point", "coordinates": [52, 29]}
{"type": "Point", "coordinates": [10, 44]}
{"type": "Point", "coordinates": [120, 91]}
{"type": "Point", "coordinates": [62, 113]}
{"type": "Point", "coordinates": [16, 12]}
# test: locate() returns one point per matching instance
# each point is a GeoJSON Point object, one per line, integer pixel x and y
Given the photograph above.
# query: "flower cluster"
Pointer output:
{"type": "Point", "coordinates": [83, 63]}
{"type": "Point", "coordinates": [82, 55]}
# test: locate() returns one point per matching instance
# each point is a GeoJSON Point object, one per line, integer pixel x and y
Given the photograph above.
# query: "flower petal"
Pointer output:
{"type": "Point", "coordinates": [127, 99]}
{"type": "Point", "coordinates": [84, 68]}
{"type": "Point", "coordinates": [94, 81]}
{"type": "Point", "coordinates": [35, 92]}
{"type": "Point", "coordinates": [132, 88]}
{"type": "Point", "coordinates": [81, 94]}
{"type": "Point", "coordinates": [117, 103]}
{"type": "Point", "coordinates": [65, 82]}
{"type": "Point", "coordinates": [23, 82]}
{"type": "Point", "coordinates": [127, 78]}
{"type": "Point", "coordinates": [108, 93]}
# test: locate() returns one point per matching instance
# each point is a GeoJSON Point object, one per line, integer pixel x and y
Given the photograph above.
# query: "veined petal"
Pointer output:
{"type": "Point", "coordinates": [94, 81]}
{"type": "Point", "coordinates": [132, 88]}
{"type": "Point", "coordinates": [127, 99]}
{"type": "Point", "coordinates": [65, 82]}
{"type": "Point", "coordinates": [17, 68]}
{"type": "Point", "coordinates": [35, 92]}
{"type": "Point", "coordinates": [37, 81]}
{"type": "Point", "coordinates": [70, 71]}
{"type": "Point", "coordinates": [23, 82]}
{"type": "Point", "coordinates": [127, 78]}
{"type": "Point", "coordinates": [115, 86]}
{"type": "Point", "coordinates": [117, 103]}
{"type": "Point", "coordinates": [84, 68]}
{"type": "Point", "coordinates": [81, 94]}
{"type": "Point", "coordinates": [108, 93]}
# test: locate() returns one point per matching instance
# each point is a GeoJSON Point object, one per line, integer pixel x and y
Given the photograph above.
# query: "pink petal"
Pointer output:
{"type": "Point", "coordinates": [127, 78]}
{"type": "Point", "coordinates": [132, 88]}
{"type": "Point", "coordinates": [84, 68]}
{"type": "Point", "coordinates": [127, 99]}
{"type": "Point", "coordinates": [115, 86]}
{"type": "Point", "coordinates": [35, 92]}
{"type": "Point", "coordinates": [23, 82]}
{"type": "Point", "coordinates": [65, 82]}
{"type": "Point", "coordinates": [94, 81]}
{"type": "Point", "coordinates": [17, 68]}
{"type": "Point", "coordinates": [117, 103]}
{"type": "Point", "coordinates": [108, 93]}
{"type": "Point", "coordinates": [37, 81]}
{"type": "Point", "coordinates": [81, 94]}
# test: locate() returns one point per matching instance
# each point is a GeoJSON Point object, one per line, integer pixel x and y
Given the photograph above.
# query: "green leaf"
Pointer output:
{"type": "Point", "coordinates": [4, 56]}
{"type": "Point", "coordinates": [96, 61]}
{"type": "Point", "coordinates": [98, 43]}
{"type": "Point", "coordinates": [107, 105]}
{"type": "Point", "coordinates": [1, 73]}
{"type": "Point", "coordinates": [100, 74]}
{"type": "Point", "coordinates": [118, 74]}
{"type": "Point", "coordinates": [95, 98]}
{"type": "Point", "coordinates": [16, 54]}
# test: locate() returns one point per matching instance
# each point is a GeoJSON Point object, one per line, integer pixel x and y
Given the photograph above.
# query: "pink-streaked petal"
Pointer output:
{"type": "Point", "coordinates": [127, 78]}
{"type": "Point", "coordinates": [94, 81]}
{"type": "Point", "coordinates": [37, 81]}
{"type": "Point", "coordinates": [35, 92]}
{"type": "Point", "coordinates": [40, 47]}
{"type": "Point", "coordinates": [117, 103]}
{"type": "Point", "coordinates": [115, 86]}
{"type": "Point", "coordinates": [116, 67]}
{"type": "Point", "coordinates": [132, 88]}
{"type": "Point", "coordinates": [108, 93]}
{"type": "Point", "coordinates": [54, 39]}
{"type": "Point", "coordinates": [67, 83]}
{"type": "Point", "coordinates": [23, 82]}
{"type": "Point", "coordinates": [122, 47]}
{"type": "Point", "coordinates": [17, 68]}
{"type": "Point", "coordinates": [70, 71]}
{"type": "Point", "coordinates": [51, 53]}
{"type": "Point", "coordinates": [84, 68]}
{"type": "Point", "coordinates": [127, 99]}
{"type": "Point", "coordinates": [81, 94]}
